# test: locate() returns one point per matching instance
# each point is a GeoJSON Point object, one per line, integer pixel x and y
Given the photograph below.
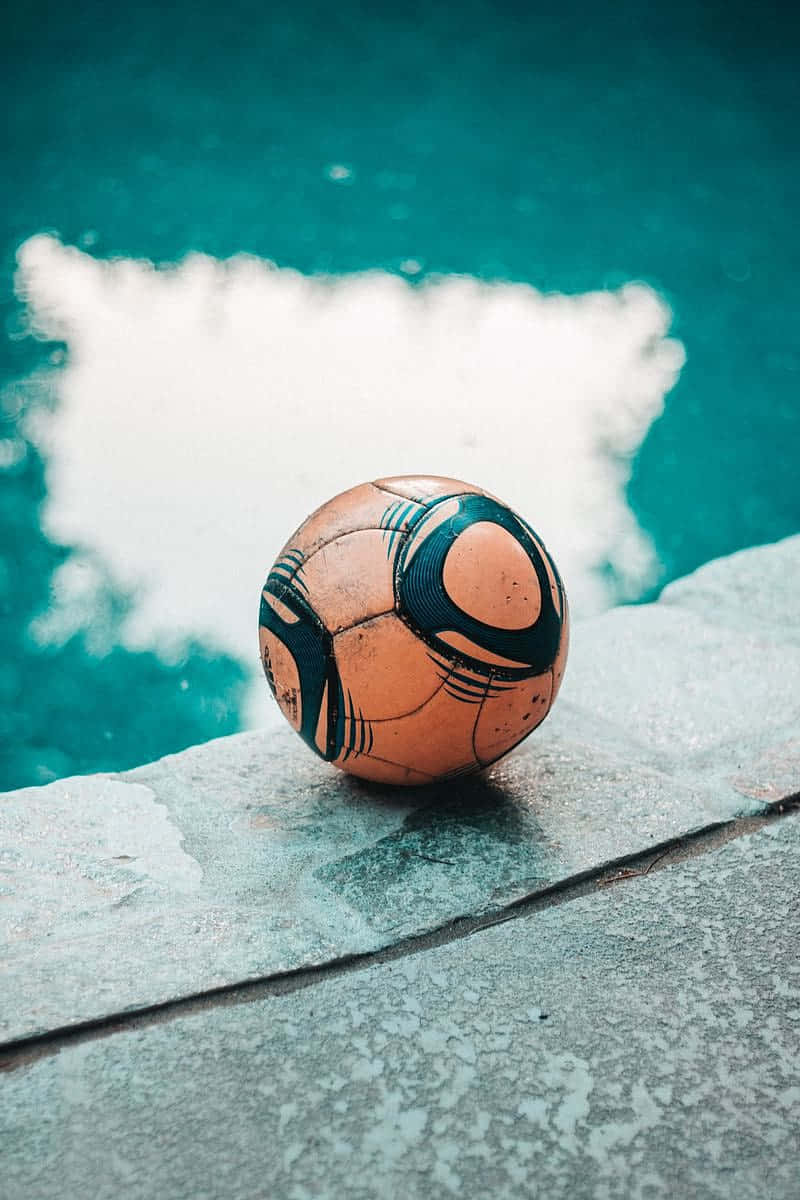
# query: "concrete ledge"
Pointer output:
{"type": "Point", "coordinates": [246, 857]}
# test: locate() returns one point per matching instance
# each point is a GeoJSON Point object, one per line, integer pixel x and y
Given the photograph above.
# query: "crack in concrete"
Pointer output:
{"type": "Point", "coordinates": [23, 1052]}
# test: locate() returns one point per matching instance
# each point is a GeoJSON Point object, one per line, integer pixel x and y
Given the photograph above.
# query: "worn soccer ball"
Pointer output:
{"type": "Point", "coordinates": [414, 629]}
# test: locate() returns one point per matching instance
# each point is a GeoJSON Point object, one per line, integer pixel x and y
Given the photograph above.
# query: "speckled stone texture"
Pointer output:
{"type": "Point", "coordinates": [247, 857]}
{"type": "Point", "coordinates": [640, 1042]}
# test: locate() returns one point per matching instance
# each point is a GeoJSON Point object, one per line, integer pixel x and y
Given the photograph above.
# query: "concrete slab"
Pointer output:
{"type": "Point", "coordinates": [247, 857]}
{"type": "Point", "coordinates": [752, 589]}
{"type": "Point", "coordinates": [688, 693]}
{"type": "Point", "coordinates": [640, 1042]}
{"type": "Point", "coordinates": [704, 683]}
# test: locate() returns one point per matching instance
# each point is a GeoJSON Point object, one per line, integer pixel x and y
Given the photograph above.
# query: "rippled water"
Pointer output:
{"type": "Point", "coordinates": [163, 431]}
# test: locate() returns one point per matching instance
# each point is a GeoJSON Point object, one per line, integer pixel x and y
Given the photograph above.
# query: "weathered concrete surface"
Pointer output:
{"type": "Point", "coordinates": [641, 1042]}
{"type": "Point", "coordinates": [706, 680]}
{"type": "Point", "coordinates": [752, 589]}
{"type": "Point", "coordinates": [246, 856]}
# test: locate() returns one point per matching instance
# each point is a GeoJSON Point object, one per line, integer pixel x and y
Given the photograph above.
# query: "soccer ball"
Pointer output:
{"type": "Point", "coordinates": [414, 629]}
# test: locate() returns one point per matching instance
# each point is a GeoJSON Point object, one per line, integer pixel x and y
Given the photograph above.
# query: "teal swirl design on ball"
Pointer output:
{"type": "Point", "coordinates": [419, 549]}
{"type": "Point", "coordinates": [425, 605]}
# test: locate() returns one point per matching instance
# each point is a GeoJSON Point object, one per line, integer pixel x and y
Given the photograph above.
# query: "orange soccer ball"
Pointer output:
{"type": "Point", "coordinates": [414, 629]}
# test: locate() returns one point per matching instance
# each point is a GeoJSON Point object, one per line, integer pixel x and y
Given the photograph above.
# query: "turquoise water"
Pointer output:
{"type": "Point", "coordinates": [500, 141]}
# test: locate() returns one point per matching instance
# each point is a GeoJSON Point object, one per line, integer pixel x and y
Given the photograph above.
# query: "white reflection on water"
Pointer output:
{"type": "Point", "coordinates": [205, 408]}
